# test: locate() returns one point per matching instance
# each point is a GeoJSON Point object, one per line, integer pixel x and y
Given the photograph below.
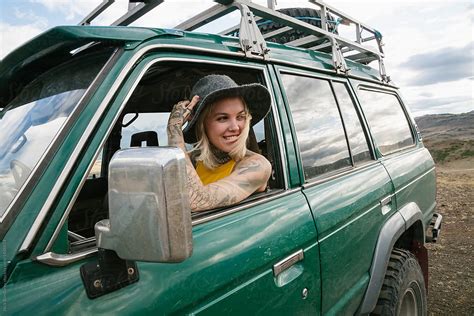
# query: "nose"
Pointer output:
{"type": "Point", "coordinates": [233, 125]}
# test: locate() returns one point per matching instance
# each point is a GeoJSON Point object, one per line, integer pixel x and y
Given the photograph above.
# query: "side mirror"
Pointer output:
{"type": "Point", "coordinates": [149, 212]}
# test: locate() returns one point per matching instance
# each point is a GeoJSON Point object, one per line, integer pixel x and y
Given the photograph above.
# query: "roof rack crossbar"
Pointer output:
{"type": "Point", "coordinates": [343, 15]}
{"type": "Point", "coordinates": [277, 32]}
{"type": "Point", "coordinates": [205, 17]}
{"type": "Point", "coordinates": [96, 12]}
{"type": "Point", "coordinates": [321, 46]}
{"type": "Point", "coordinates": [136, 11]}
{"type": "Point", "coordinates": [307, 40]}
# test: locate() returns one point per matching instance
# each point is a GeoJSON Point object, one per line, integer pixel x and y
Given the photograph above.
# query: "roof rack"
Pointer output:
{"type": "Point", "coordinates": [253, 42]}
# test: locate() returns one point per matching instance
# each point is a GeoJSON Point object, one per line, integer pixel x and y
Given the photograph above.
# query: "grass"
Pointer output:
{"type": "Point", "coordinates": [445, 151]}
{"type": "Point", "coordinates": [467, 153]}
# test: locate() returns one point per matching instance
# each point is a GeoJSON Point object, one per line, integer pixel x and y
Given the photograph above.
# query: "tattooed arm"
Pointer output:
{"type": "Point", "coordinates": [250, 174]}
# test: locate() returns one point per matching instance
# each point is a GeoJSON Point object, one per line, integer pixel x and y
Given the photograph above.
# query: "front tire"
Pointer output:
{"type": "Point", "coordinates": [403, 291]}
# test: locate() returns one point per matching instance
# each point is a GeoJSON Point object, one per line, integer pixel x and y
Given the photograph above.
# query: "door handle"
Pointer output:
{"type": "Point", "coordinates": [287, 262]}
{"type": "Point", "coordinates": [385, 204]}
{"type": "Point", "coordinates": [386, 201]}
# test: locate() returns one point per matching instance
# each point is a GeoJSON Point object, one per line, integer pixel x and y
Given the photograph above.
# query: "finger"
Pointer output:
{"type": "Point", "coordinates": [183, 103]}
{"type": "Point", "coordinates": [193, 102]}
{"type": "Point", "coordinates": [186, 115]}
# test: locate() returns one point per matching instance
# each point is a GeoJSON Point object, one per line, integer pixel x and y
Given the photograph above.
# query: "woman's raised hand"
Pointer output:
{"type": "Point", "coordinates": [181, 112]}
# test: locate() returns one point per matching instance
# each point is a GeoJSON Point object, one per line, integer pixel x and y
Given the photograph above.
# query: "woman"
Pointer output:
{"type": "Point", "coordinates": [220, 115]}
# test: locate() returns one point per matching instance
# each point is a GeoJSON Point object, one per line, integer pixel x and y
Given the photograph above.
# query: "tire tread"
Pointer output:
{"type": "Point", "coordinates": [401, 261]}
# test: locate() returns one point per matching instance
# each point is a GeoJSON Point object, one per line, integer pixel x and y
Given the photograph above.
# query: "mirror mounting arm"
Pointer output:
{"type": "Point", "coordinates": [108, 273]}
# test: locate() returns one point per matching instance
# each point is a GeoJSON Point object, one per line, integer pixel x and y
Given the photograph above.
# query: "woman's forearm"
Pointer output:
{"type": "Point", "coordinates": [195, 188]}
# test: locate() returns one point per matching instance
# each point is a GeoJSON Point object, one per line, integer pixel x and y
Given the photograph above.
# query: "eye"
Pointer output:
{"type": "Point", "coordinates": [242, 117]}
{"type": "Point", "coordinates": [221, 118]}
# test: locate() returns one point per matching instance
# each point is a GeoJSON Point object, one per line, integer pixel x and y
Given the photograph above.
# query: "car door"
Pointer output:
{"type": "Point", "coordinates": [343, 182]}
{"type": "Point", "coordinates": [407, 161]}
{"type": "Point", "coordinates": [258, 257]}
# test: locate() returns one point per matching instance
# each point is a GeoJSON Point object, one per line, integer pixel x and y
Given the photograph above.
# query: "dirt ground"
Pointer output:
{"type": "Point", "coordinates": [451, 280]}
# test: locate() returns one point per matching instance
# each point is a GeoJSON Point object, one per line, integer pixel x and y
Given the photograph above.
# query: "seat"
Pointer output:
{"type": "Point", "coordinates": [149, 137]}
{"type": "Point", "coordinates": [252, 142]}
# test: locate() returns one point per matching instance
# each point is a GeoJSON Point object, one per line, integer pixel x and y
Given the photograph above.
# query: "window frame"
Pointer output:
{"type": "Point", "coordinates": [413, 133]}
{"type": "Point", "coordinates": [279, 152]}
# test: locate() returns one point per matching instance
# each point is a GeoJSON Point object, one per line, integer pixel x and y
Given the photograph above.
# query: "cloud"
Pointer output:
{"type": "Point", "coordinates": [426, 94]}
{"type": "Point", "coordinates": [13, 36]}
{"type": "Point", "coordinates": [443, 65]}
{"type": "Point", "coordinates": [30, 17]}
{"type": "Point", "coordinates": [455, 104]}
{"type": "Point", "coordinates": [71, 10]}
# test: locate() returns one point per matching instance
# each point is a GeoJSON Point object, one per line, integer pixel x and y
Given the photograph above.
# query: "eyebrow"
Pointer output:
{"type": "Point", "coordinates": [223, 113]}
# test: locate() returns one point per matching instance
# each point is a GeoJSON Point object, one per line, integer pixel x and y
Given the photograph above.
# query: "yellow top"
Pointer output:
{"type": "Point", "coordinates": [212, 175]}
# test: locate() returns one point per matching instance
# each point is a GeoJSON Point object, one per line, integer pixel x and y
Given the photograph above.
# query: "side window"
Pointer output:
{"type": "Point", "coordinates": [319, 129]}
{"type": "Point", "coordinates": [386, 119]}
{"type": "Point", "coordinates": [357, 138]}
{"type": "Point", "coordinates": [142, 123]}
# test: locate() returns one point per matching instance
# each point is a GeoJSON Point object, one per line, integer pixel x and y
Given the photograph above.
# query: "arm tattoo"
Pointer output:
{"type": "Point", "coordinates": [246, 167]}
{"type": "Point", "coordinates": [245, 180]}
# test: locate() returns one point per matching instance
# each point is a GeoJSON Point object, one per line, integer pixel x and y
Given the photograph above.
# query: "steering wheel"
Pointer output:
{"type": "Point", "coordinates": [20, 172]}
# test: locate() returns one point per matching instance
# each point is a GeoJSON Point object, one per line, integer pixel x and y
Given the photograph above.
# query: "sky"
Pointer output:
{"type": "Point", "coordinates": [429, 44]}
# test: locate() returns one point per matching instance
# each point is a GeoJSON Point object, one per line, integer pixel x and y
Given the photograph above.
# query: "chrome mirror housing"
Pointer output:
{"type": "Point", "coordinates": [149, 212]}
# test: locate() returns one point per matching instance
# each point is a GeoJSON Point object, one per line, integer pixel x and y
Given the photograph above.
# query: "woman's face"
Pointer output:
{"type": "Point", "coordinates": [225, 123]}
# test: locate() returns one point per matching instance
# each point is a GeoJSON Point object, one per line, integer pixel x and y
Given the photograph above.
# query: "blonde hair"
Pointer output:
{"type": "Point", "coordinates": [204, 146]}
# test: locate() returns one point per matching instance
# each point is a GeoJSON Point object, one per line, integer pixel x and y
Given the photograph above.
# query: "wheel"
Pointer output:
{"type": "Point", "coordinates": [403, 291]}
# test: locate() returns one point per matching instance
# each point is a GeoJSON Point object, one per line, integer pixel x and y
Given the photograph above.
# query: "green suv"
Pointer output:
{"type": "Point", "coordinates": [94, 215]}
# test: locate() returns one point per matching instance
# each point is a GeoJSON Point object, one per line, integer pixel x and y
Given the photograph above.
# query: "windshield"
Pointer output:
{"type": "Point", "coordinates": [29, 124]}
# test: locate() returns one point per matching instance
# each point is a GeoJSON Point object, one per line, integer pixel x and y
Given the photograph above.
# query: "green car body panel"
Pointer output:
{"type": "Point", "coordinates": [336, 221]}
{"type": "Point", "coordinates": [226, 268]}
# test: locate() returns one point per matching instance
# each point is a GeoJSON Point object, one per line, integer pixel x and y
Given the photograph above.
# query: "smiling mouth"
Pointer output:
{"type": "Point", "coordinates": [233, 137]}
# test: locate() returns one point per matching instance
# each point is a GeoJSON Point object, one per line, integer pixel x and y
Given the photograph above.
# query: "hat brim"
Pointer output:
{"type": "Point", "coordinates": [255, 95]}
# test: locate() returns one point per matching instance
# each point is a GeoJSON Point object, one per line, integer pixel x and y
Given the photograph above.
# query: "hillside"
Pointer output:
{"type": "Point", "coordinates": [449, 137]}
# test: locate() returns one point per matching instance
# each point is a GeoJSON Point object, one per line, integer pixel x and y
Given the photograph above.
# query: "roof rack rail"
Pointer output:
{"type": "Point", "coordinates": [253, 42]}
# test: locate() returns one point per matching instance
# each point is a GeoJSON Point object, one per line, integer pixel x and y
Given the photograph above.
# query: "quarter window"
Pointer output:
{"type": "Point", "coordinates": [386, 119]}
{"type": "Point", "coordinates": [319, 129]}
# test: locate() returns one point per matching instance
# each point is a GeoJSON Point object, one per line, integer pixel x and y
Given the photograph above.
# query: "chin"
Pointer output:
{"type": "Point", "coordinates": [226, 149]}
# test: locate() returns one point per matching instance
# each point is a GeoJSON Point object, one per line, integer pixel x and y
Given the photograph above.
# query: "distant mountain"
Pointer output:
{"type": "Point", "coordinates": [446, 126]}
{"type": "Point", "coordinates": [448, 136]}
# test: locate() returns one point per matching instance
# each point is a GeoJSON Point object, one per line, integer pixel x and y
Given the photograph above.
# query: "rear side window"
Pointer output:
{"type": "Point", "coordinates": [387, 120]}
{"type": "Point", "coordinates": [357, 138]}
{"type": "Point", "coordinates": [319, 129]}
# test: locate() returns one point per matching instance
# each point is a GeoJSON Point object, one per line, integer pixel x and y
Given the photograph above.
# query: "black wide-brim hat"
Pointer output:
{"type": "Point", "coordinates": [214, 87]}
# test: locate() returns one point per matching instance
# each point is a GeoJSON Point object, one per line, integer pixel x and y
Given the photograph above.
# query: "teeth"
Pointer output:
{"type": "Point", "coordinates": [230, 137]}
